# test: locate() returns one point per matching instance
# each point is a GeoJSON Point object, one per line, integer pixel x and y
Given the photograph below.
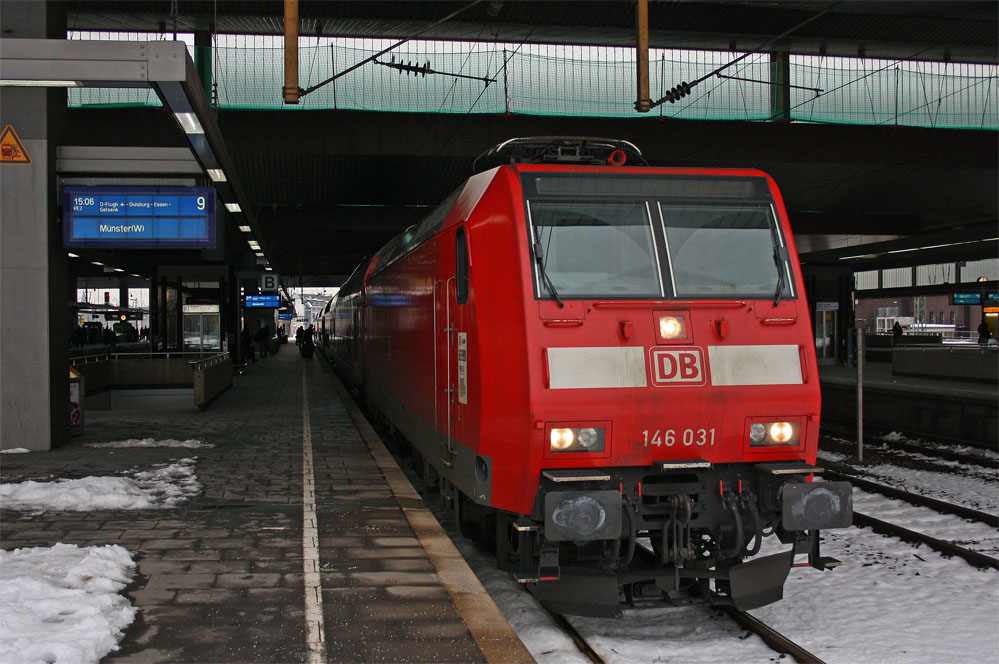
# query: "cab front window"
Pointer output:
{"type": "Point", "coordinates": [594, 249]}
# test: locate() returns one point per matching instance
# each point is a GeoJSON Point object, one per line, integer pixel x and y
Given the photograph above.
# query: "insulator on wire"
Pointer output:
{"type": "Point", "coordinates": [677, 93]}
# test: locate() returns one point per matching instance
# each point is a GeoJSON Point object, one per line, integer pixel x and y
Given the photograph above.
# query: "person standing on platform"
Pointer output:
{"type": "Point", "coordinates": [983, 333]}
{"type": "Point", "coordinates": [896, 331]}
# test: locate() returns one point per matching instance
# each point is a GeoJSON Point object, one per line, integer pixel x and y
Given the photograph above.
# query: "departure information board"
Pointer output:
{"type": "Point", "coordinates": [138, 217]}
{"type": "Point", "coordinates": [270, 301]}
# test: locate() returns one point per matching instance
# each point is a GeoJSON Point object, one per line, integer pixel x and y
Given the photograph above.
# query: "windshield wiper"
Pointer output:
{"type": "Point", "coordinates": [539, 256]}
{"type": "Point", "coordinates": [780, 256]}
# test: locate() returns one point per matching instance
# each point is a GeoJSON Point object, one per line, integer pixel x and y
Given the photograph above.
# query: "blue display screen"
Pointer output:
{"type": "Point", "coordinates": [284, 316]}
{"type": "Point", "coordinates": [974, 298]}
{"type": "Point", "coordinates": [138, 217]}
{"type": "Point", "coordinates": [263, 301]}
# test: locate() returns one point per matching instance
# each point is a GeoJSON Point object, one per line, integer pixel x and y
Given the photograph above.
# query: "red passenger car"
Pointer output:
{"type": "Point", "coordinates": [615, 360]}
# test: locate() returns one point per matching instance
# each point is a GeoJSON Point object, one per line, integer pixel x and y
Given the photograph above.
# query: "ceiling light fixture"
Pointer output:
{"type": "Point", "coordinates": [19, 83]}
{"type": "Point", "coordinates": [189, 123]}
{"type": "Point", "coordinates": [233, 207]}
{"type": "Point", "coordinates": [217, 175]}
{"type": "Point", "coordinates": [246, 229]}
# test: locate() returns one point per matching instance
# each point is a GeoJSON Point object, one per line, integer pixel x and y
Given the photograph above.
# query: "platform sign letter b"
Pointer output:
{"type": "Point", "coordinates": [269, 282]}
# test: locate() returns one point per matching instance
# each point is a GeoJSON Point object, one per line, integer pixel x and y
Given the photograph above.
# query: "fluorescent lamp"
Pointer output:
{"type": "Point", "coordinates": [96, 263]}
{"type": "Point", "coordinates": [137, 275]}
{"type": "Point", "coordinates": [233, 207]}
{"type": "Point", "coordinates": [216, 174]}
{"type": "Point", "coordinates": [189, 123]}
{"type": "Point", "coordinates": [71, 254]}
{"type": "Point", "coordinates": [259, 253]}
{"type": "Point", "coordinates": [118, 269]}
{"type": "Point", "coordinates": [269, 268]}
{"type": "Point", "coordinates": [254, 244]}
{"type": "Point", "coordinates": [16, 83]}
{"type": "Point", "coordinates": [246, 229]}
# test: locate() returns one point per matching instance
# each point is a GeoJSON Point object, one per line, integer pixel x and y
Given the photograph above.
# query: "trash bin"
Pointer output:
{"type": "Point", "coordinates": [76, 409]}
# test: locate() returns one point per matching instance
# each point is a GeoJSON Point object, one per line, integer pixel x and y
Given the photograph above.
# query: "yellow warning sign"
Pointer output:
{"type": "Point", "coordinates": [11, 149]}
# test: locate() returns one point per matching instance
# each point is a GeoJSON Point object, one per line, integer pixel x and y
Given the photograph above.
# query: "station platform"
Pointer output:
{"type": "Point", "coordinates": [305, 543]}
{"type": "Point", "coordinates": [948, 408]}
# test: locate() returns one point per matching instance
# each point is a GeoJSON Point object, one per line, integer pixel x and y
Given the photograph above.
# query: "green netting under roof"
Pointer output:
{"type": "Point", "coordinates": [567, 81]}
{"type": "Point", "coordinates": [922, 94]}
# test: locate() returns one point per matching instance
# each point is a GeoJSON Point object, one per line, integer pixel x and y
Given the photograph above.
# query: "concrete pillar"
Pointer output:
{"type": "Point", "coordinates": [34, 280]}
{"type": "Point", "coordinates": [780, 91]}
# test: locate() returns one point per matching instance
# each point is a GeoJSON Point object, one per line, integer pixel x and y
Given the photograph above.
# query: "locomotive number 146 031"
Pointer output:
{"type": "Point", "coordinates": [671, 437]}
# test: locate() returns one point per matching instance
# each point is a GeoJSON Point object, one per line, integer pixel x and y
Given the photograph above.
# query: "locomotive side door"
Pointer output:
{"type": "Point", "coordinates": [450, 292]}
{"type": "Point", "coordinates": [443, 344]}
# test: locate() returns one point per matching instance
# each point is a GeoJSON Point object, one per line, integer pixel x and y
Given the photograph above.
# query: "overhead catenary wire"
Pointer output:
{"type": "Point", "coordinates": [386, 50]}
{"type": "Point", "coordinates": [683, 89]}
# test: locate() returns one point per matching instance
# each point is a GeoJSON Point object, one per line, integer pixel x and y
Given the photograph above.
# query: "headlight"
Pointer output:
{"type": "Point", "coordinates": [781, 432]}
{"type": "Point", "coordinates": [670, 327]}
{"type": "Point", "coordinates": [583, 439]}
{"type": "Point", "coordinates": [562, 439]}
{"type": "Point", "coordinates": [774, 434]}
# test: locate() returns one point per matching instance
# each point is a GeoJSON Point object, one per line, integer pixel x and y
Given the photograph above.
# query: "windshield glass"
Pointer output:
{"type": "Point", "coordinates": [595, 249]}
{"type": "Point", "coordinates": [721, 250]}
{"type": "Point", "coordinates": [652, 235]}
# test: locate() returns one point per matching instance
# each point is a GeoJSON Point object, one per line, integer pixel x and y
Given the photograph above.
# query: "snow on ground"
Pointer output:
{"type": "Point", "coordinates": [889, 603]}
{"type": "Point", "coordinates": [969, 534]}
{"type": "Point", "coordinates": [975, 487]}
{"type": "Point", "coordinates": [15, 450]}
{"type": "Point", "coordinates": [61, 604]}
{"type": "Point", "coordinates": [892, 602]}
{"type": "Point", "coordinates": [167, 485]}
{"type": "Point", "coordinates": [150, 442]}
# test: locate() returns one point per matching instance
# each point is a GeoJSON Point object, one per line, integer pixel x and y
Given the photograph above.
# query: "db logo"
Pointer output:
{"type": "Point", "coordinates": [677, 366]}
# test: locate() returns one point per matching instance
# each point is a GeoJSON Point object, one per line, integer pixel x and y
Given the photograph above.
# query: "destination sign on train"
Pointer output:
{"type": "Point", "coordinates": [138, 217]}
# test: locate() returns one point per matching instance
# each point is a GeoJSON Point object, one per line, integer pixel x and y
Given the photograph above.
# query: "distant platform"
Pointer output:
{"type": "Point", "coordinates": [965, 409]}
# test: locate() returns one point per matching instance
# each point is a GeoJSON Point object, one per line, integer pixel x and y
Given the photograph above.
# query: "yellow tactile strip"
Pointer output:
{"type": "Point", "coordinates": [490, 629]}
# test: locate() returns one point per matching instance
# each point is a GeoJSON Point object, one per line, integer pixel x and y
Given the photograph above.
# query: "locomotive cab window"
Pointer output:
{"type": "Point", "coordinates": [650, 236]}
{"type": "Point", "coordinates": [722, 250]}
{"type": "Point", "coordinates": [461, 267]}
{"type": "Point", "coordinates": [595, 249]}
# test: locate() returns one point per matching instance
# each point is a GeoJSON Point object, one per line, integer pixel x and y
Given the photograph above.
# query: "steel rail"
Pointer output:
{"type": "Point", "coordinates": [915, 498]}
{"type": "Point", "coordinates": [943, 546]}
{"type": "Point", "coordinates": [771, 637]}
{"type": "Point", "coordinates": [576, 637]}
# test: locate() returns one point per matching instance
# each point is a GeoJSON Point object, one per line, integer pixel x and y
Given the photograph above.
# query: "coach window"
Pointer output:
{"type": "Point", "coordinates": [461, 267]}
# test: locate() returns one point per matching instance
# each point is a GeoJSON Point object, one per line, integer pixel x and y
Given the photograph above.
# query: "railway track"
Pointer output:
{"type": "Point", "coordinates": [777, 641]}
{"type": "Point", "coordinates": [913, 498]}
{"type": "Point", "coordinates": [771, 637]}
{"type": "Point", "coordinates": [834, 428]}
{"type": "Point", "coordinates": [943, 546]}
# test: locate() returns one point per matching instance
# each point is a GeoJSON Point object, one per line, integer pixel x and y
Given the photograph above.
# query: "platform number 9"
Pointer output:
{"type": "Point", "coordinates": [201, 202]}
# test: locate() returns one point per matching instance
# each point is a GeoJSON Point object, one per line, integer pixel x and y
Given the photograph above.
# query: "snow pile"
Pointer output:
{"type": "Point", "coordinates": [167, 485]}
{"type": "Point", "coordinates": [15, 450]}
{"type": "Point", "coordinates": [893, 437]}
{"type": "Point", "coordinates": [150, 442]}
{"type": "Point", "coordinates": [61, 603]}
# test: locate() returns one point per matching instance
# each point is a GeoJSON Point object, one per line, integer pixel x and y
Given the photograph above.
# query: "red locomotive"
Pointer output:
{"type": "Point", "coordinates": [614, 361]}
